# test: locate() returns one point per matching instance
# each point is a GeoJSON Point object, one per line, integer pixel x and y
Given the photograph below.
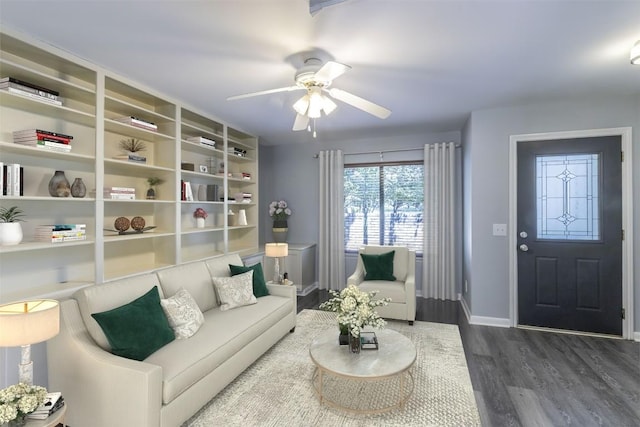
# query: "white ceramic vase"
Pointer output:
{"type": "Point", "coordinates": [199, 222]}
{"type": "Point", "coordinates": [10, 233]}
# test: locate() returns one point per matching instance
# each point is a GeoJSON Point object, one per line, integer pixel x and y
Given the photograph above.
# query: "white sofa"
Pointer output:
{"type": "Point", "coordinates": [402, 292]}
{"type": "Point", "coordinates": [172, 384]}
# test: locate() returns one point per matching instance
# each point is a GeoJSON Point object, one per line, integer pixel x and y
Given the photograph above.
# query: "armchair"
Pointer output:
{"type": "Point", "coordinates": [402, 291]}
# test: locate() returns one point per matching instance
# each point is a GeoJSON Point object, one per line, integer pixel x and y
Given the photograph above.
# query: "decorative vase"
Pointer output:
{"type": "Point", "coordinates": [199, 222]}
{"type": "Point", "coordinates": [343, 338]}
{"type": "Point", "coordinates": [280, 230]}
{"type": "Point", "coordinates": [78, 189]}
{"type": "Point", "coordinates": [19, 421]}
{"type": "Point", "coordinates": [242, 217]}
{"type": "Point", "coordinates": [354, 343]}
{"type": "Point", "coordinates": [151, 194]}
{"type": "Point", "coordinates": [59, 185]}
{"type": "Point", "coordinates": [10, 233]}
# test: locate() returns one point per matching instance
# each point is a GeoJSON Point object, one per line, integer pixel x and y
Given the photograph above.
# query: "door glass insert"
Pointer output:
{"type": "Point", "coordinates": [567, 197]}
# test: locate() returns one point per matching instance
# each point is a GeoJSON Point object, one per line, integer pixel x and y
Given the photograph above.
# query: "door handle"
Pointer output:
{"type": "Point", "coordinates": [523, 247]}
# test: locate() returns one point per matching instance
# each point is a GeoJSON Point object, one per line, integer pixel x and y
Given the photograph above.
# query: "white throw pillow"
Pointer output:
{"type": "Point", "coordinates": [235, 291]}
{"type": "Point", "coordinates": [183, 314]}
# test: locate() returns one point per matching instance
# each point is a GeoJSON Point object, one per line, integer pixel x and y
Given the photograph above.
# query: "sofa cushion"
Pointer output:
{"type": "Point", "coordinates": [183, 314]}
{"type": "Point", "coordinates": [185, 362]}
{"type": "Point", "coordinates": [400, 259]}
{"type": "Point", "coordinates": [195, 278]}
{"type": "Point", "coordinates": [98, 298]}
{"type": "Point", "coordinates": [235, 291]}
{"type": "Point", "coordinates": [259, 284]}
{"type": "Point", "coordinates": [386, 289]}
{"type": "Point", "coordinates": [137, 329]}
{"type": "Point", "coordinates": [379, 266]}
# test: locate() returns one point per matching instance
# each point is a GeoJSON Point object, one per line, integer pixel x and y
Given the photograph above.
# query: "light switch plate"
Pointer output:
{"type": "Point", "coordinates": [499, 229]}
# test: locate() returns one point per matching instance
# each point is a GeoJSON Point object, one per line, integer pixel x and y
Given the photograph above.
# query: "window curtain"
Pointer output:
{"type": "Point", "coordinates": [331, 239]}
{"type": "Point", "coordinates": [438, 263]}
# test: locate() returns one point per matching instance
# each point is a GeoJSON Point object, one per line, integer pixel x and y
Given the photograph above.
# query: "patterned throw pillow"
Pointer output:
{"type": "Point", "coordinates": [235, 291]}
{"type": "Point", "coordinates": [183, 314]}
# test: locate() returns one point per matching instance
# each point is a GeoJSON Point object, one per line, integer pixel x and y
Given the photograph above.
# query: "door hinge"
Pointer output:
{"type": "Point", "coordinates": [623, 314]}
{"type": "Point", "coordinates": [622, 234]}
{"type": "Point", "coordinates": [622, 156]}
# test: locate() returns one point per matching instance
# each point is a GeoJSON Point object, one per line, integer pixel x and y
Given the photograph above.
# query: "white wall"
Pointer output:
{"type": "Point", "coordinates": [486, 149]}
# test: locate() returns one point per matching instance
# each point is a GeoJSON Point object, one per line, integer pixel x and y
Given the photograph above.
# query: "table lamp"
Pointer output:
{"type": "Point", "coordinates": [28, 322]}
{"type": "Point", "coordinates": [276, 250]}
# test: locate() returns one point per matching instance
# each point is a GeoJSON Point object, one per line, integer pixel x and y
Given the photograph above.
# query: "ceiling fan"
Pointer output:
{"type": "Point", "coordinates": [316, 77]}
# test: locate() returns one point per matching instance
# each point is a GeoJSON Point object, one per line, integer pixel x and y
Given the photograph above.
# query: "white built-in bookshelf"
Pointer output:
{"type": "Point", "coordinates": [93, 98]}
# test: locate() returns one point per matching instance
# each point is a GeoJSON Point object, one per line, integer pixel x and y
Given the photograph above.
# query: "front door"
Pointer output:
{"type": "Point", "coordinates": [570, 234]}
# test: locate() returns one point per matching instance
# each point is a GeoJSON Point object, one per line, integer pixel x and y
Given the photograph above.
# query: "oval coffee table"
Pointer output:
{"type": "Point", "coordinates": [339, 373]}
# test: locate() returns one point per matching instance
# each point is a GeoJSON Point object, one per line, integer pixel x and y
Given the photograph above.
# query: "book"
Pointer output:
{"type": "Point", "coordinates": [31, 95]}
{"type": "Point", "coordinates": [30, 132]}
{"type": "Point", "coordinates": [39, 136]}
{"type": "Point", "coordinates": [134, 121]}
{"type": "Point", "coordinates": [2, 190]}
{"type": "Point", "coordinates": [52, 403]}
{"type": "Point", "coordinates": [212, 192]}
{"type": "Point", "coordinates": [120, 196]}
{"type": "Point", "coordinates": [28, 89]}
{"type": "Point", "coordinates": [28, 84]}
{"type": "Point", "coordinates": [46, 143]}
{"type": "Point", "coordinates": [120, 189]}
{"type": "Point", "coordinates": [188, 192]}
{"type": "Point", "coordinates": [202, 140]}
{"type": "Point", "coordinates": [58, 148]}
{"type": "Point", "coordinates": [16, 176]}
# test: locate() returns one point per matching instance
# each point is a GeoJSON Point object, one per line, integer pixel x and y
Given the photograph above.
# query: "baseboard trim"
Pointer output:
{"type": "Point", "coordinates": [497, 322]}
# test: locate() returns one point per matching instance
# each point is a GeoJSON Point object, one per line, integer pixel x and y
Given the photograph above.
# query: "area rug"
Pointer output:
{"type": "Point", "coordinates": [277, 389]}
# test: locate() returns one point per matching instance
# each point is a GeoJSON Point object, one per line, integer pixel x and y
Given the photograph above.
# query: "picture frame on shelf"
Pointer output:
{"type": "Point", "coordinates": [204, 169]}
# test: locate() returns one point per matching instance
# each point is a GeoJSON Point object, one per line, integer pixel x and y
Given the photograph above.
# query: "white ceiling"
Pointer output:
{"type": "Point", "coordinates": [430, 62]}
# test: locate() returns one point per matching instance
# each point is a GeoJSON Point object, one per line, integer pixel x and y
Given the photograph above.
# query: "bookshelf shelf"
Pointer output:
{"type": "Point", "coordinates": [93, 100]}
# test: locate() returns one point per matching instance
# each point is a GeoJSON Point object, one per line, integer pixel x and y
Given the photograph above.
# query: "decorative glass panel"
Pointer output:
{"type": "Point", "coordinates": [567, 197]}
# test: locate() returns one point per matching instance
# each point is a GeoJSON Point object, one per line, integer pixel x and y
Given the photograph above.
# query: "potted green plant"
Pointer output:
{"type": "Point", "coordinates": [10, 228]}
{"type": "Point", "coordinates": [152, 181]}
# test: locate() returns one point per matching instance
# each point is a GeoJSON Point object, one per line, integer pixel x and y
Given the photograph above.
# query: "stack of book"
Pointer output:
{"type": "Point", "coordinates": [137, 122]}
{"type": "Point", "coordinates": [119, 193]}
{"type": "Point", "coordinates": [246, 198]}
{"type": "Point", "coordinates": [202, 141]}
{"type": "Point", "coordinates": [186, 192]}
{"type": "Point", "coordinates": [30, 90]}
{"type": "Point", "coordinates": [246, 175]}
{"type": "Point", "coordinates": [44, 139]}
{"type": "Point", "coordinates": [131, 157]}
{"type": "Point", "coordinates": [58, 233]}
{"type": "Point", "coordinates": [12, 183]}
{"type": "Point", "coordinates": [235, 151]}
{"type": "Point", "coordinates": [52, 403]}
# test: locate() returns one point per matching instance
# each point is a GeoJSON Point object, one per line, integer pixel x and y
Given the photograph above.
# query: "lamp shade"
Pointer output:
{"type": "Point", "coordinates": [276, 250]}
{"type": "Point", "coordinates": [635, 53]}
{"type": "Point", "coordinates": [28, 322]}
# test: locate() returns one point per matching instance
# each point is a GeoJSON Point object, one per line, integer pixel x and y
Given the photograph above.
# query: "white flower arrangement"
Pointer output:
{"type": "Point", "coordinates": [279, 210]}
{"type": "Point", "coordinates": [355, 308]}
{"type": "Point", "coordinates": [19, 400]}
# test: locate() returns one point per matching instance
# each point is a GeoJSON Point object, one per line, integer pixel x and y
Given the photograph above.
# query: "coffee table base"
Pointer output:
{"type": "Point", "coordinates": [354, 394]}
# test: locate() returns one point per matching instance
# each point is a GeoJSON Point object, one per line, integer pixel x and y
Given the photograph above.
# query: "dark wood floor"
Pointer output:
{"type": "Point", "coordinates": [531, 378]}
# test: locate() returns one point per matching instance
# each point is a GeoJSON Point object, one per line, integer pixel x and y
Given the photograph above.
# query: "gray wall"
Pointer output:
{"type": "Point", "coordinates": [486, 176]}
{"type": "Point", "coordinates": [290, 172]}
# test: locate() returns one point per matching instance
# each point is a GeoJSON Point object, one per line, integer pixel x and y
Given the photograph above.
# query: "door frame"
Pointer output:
{"type": "Point", "coordinates": [627, 216]}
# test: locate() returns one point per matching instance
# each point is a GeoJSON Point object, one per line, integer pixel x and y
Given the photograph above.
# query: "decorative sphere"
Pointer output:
{"type": "Point", "coordinates": [137, 223]}
{"type": "Point", "coordinates": [122, 224]}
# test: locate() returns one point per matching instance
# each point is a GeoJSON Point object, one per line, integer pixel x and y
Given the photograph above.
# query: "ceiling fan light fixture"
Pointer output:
{"type": "Point", "coordinates": [302, 105]}
{"type": "Point", "coordinates": [328, 106]}
{"type": "Point", "coordinates": [315, 103]}
{"type": "Point", "coordinates": [635, 54]}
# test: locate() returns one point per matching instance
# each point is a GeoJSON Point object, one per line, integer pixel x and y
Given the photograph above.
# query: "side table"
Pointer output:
{"type": "Point", "coordinates": [51, 421]}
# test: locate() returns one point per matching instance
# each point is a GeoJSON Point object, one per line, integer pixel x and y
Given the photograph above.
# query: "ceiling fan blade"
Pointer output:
{"type": "Point", "coordinates": [301, 122]}
{"type": "Point", "coordinates": [361, 103]}
{"type": "Point", "coordinates": [331, 70]}
{"type": "Point", "coordinates": [264, 92]}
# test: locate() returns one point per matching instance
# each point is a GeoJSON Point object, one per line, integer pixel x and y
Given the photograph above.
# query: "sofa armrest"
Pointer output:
{"type": "Point", "coordinates": [358, 275]}
{"type": "Point", "coordinates": [287, 292]}
{"type": "Point", "coordinates": [102, 389]}
{"type": "Point", "coordinates": [410, 287]}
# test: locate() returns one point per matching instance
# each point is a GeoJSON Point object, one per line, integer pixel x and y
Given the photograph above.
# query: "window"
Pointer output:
{"type": "Point", "coordinates": [383, 205]}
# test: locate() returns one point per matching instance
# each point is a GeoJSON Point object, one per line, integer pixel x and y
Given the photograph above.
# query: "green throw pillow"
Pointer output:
{"type": "Point", "coordinates": [259, 285]}
{"type": "Point", "coordinates": [379, 267]}
{"type": "Point", "coordinates": [137, 329]}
